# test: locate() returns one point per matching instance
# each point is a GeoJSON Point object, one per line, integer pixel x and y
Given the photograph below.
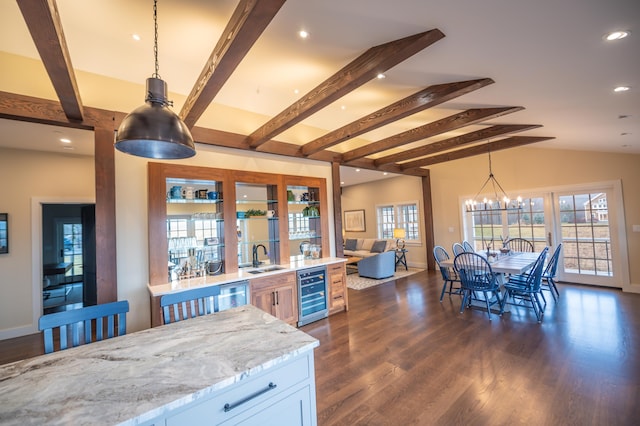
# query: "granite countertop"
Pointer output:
{"type": "Point", "coordinates": [136, 377]}
{"type": "Point", "coordinates": [242, 274]}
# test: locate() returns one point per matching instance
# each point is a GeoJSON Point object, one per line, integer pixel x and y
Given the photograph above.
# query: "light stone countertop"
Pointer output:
{"type": "Point", "coordinates": [242, 274]}
{"type": "Point", "coordinates": [136, 377]}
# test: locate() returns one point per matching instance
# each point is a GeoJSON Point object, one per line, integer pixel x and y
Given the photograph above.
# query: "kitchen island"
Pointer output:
{"type": "Point", "coordinates": [239, 365]}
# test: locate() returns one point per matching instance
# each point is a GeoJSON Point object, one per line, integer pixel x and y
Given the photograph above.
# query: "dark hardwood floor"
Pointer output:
{"type": "Point", "coordinates": [399, 357]}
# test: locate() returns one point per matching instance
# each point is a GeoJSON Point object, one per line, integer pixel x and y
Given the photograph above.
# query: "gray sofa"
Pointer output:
{"type": "Point", "coordinates": [365, 247]}
{"type": "Point", "coordinates": [381, 265]}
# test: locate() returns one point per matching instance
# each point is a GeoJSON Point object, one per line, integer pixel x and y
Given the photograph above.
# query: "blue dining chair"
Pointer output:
{"type": "Point", "coordinates": [457, 248]}
{"type": "Point", "coordinates": [449, 276]}
{"type": "Point", "coordinates": [468, 247]}
{"type": "Point", "coordinates": [84, 325]}
{"type": "Point", "coordinates": [525, 293]}
{"type": "Point", "coordinates": [476, 276]}
{"type": "Point", "coordinates": [520, 245]}
{"type": "Point", "coordinates": [189, 303]}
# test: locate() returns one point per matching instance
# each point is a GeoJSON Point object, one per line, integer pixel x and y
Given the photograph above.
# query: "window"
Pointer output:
{"type": "Point", "coordinates": [403, 215]}
{"type": "Point", "coordinates": [176, 228]}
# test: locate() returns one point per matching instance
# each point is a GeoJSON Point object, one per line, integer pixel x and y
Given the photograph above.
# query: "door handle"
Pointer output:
{"type": "Point", "coordinates": [550, 240]}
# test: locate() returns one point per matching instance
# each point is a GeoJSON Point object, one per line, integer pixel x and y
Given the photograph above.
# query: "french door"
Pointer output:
{"type": "Point", "coordinates": [588, 220]}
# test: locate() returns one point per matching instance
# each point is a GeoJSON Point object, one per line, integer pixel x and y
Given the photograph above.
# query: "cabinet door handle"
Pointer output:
{"type": "Point", "coordinates": [277, 298]}
{"type": "Point", "coordinates": [273, 298]}
{"type": "Point", "coordinates": [228, 407]}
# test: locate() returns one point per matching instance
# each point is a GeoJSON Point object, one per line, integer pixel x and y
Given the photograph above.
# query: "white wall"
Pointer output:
{"type": "Point", "coordinates": [28, 178]}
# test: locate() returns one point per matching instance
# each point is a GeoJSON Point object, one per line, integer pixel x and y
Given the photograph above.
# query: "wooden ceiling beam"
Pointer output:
{"type": "Point", "coordinates": [424, 99]}
{"type": "Point", "coordinates": [456, 121]}
{"type": "Point", "coordinates": [43, 20]}
{"type": "Point", "coordinates": [510, 142]}
{"type": "Point", "coordinates": [247, 23]}
{"type": "Point", "coordinates": [363, 69]}
{"type": "Point", "coordinates": [454, 142]}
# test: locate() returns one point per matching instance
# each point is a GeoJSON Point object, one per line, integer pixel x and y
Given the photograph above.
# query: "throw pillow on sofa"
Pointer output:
{"type": "Point", "coordinates": [350, 244]}
{"type": "Point", "coordinates": [378, 247]}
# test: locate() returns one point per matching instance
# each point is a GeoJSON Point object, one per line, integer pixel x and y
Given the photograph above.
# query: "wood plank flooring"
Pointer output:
{"type": "Point", "coordinates": [400, 357]}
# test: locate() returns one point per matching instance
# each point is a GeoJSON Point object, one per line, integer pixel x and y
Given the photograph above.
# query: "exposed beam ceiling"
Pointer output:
{"type": "Point", "coordinates": [43, 21]}
{"type": "Point", "coordinates": [366, 67]}
{"type": "Point", "coordinates": [248, 22]}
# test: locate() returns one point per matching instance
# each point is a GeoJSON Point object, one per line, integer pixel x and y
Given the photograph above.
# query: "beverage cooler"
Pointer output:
{"type": "Point", "coordinates": [313, 295]}
{"type": "Point", "coordinates": [232, 295]}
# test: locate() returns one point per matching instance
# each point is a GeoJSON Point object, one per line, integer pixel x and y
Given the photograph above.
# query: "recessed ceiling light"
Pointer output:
{"type": "Point", "coordinates": [381, 76]}
{"type": "Point", "coordinates": [616, 35]}
{"type": "Point", "coordinates": [341, 183]}
{"type": "Point", "coordinates": [65, 140]}
{"type": "Point", "coordinates": [296, 91]}
{"type": "Point", "coordinates": [303, 34]}
{"type": "Point", "coordinates": [385, 173]}
{"type": "Point", "coordinates": [343, 107]}
{"type": "Point", "coordinates": [621, 89]}
{"type": "Point", "coordinates": [357, 170]}
{"type": "Point", "coordinates": [136, 37]}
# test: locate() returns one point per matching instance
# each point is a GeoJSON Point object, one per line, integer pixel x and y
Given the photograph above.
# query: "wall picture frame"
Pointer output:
{"type": "Point", "coordinates": [4, 233]}
{"type": "Point", "coordinates": [354, 221]}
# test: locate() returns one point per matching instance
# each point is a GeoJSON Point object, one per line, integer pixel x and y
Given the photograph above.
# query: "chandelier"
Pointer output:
{"type": "Point", "coordinates": [500, 200]}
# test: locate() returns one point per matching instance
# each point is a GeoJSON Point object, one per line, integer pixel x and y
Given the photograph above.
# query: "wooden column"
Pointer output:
{"type": "Point", "coordinates": [428, 220]}
{"type": "Point", "coordinates": [106, 265]}
{"type": "Point", "coordinates": [337, 207]}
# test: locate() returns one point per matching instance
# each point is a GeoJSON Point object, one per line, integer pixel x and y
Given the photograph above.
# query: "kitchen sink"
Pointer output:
{"type": "Point", "coordinates": [265, 269]}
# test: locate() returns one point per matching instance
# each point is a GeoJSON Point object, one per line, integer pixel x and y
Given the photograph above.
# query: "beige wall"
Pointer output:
{"type": "Point", "coordinates": [28, 178]}
{"type": "Point", "coordinates": [524, 169]}
{"type": "Point", "coordinates": [395, 190]}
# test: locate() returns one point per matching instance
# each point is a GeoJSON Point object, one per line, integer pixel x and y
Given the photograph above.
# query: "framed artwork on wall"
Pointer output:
{"type": "Point", "coordinates": [4, 233]}
{"type": "Point", "coordinates": [354, 221]}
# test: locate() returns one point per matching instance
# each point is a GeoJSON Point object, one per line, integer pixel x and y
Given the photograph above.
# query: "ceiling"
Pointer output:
{"type": "Point", "coordinates": [550, 58]}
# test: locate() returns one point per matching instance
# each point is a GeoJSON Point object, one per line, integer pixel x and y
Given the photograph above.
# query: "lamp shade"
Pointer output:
{"type": "Point", "coordinates": [399, 233]}
{"type": "Point", "coordinates": [153, 130]}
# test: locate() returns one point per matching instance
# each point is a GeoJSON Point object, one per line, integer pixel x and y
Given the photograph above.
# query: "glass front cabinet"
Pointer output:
{"type": "Point", "coordinates": [209, 221]}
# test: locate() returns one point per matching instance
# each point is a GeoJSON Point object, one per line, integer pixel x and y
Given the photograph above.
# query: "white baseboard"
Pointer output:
{"type": "Point", "coordinates": [632, 288]}
{"type": "Point", "coordinates": [17, 332]}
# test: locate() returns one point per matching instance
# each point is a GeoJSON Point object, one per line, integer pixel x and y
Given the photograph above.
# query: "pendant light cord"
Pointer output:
{"type": "Point", "coordinates": [155, 38]}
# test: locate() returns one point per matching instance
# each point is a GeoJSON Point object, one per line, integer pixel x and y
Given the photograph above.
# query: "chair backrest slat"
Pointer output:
{"type": "Point", "coordinates": [78, 324]}
{"type": "Point", "coordinates": [552, 265]}
{"type": "Point", "coordinates": [188, 304]}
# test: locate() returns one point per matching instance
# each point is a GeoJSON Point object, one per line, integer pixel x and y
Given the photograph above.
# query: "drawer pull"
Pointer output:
{"type": "Point", "coordinates": [228, 407]}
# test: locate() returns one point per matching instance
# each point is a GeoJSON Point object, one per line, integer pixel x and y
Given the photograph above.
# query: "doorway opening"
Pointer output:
{"type": "Point", "coordinates": [68, 257]}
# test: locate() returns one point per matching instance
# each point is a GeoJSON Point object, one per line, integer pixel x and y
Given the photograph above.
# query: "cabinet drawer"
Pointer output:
{"type": "Point", "coordinates": [335, 268]}
{"type": "Point", "coordinates": [244, 395]}
{"type": "Point", "coordinates": [273, 281]}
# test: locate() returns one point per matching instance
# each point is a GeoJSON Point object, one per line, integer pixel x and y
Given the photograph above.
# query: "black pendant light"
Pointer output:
{"type": "Point", "coordinates": [153, 130]}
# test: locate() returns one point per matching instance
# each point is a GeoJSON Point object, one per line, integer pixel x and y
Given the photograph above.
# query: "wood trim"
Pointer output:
{"type": "Point", "coordinates": [43, 20]}
{"type": "Point", "coordinates": [451, 143]}
{"type": "Point", "coordinates": [456, 121]}
{"type": "Point", "coordinates": [427, 205]}
{"type": "Point", "coordinates": [424, 99]}
{"type": "Point", "coordinates": [507, 143]}
{"type": "Point", "coordinates": [106, 253]}
{"type": "Point", "coordinates": [363, 69]}
{"type": "Point", "coordinates": [247, 23]}
{"type": "Point", "coordinates": [337, 208]}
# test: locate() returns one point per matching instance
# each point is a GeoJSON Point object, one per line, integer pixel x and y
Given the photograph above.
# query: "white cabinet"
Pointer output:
{"type": "Point", "coordinates": [282, 396]}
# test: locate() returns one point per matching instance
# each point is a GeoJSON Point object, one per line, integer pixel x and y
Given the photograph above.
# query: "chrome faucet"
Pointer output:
{"type": "Point", "coordinates": [256, 262]}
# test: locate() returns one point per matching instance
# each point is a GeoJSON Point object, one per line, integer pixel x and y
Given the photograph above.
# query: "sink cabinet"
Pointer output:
{"type": "Point", "coordinates": [276, 295]}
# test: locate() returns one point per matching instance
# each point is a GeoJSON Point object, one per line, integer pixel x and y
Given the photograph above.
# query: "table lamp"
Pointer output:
{"type": "Point", "coordinates": [399, 233]}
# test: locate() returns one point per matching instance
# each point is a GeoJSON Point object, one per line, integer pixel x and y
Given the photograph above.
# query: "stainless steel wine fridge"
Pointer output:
{"type": "Point", "coordinates": [313, 295]}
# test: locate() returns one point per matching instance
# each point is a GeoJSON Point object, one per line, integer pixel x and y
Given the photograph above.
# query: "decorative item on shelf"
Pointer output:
{"type": "Point", "coordinates": [153, 130]}
{"type": "Point", "coordinates": [400, 234]}
{"type": "Point", "coordinates": [255, 212]}
{"type": "Point", "coordinates": [290, 195]}
{"type": "Point", "coordinates": [311, 211]}
{"type": "Point", "coordinates": [304, 196]}
{"type": "Point", "coordinates": [201, 194]}
{"type": "Point", "coordinates": [271, 213]}
{"type": "Point", "coordinates": [212, 195]}
{"type": "Point", "coordinates": [175, 192]}
{"type": "Point", "coordinates": [496, 203]}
